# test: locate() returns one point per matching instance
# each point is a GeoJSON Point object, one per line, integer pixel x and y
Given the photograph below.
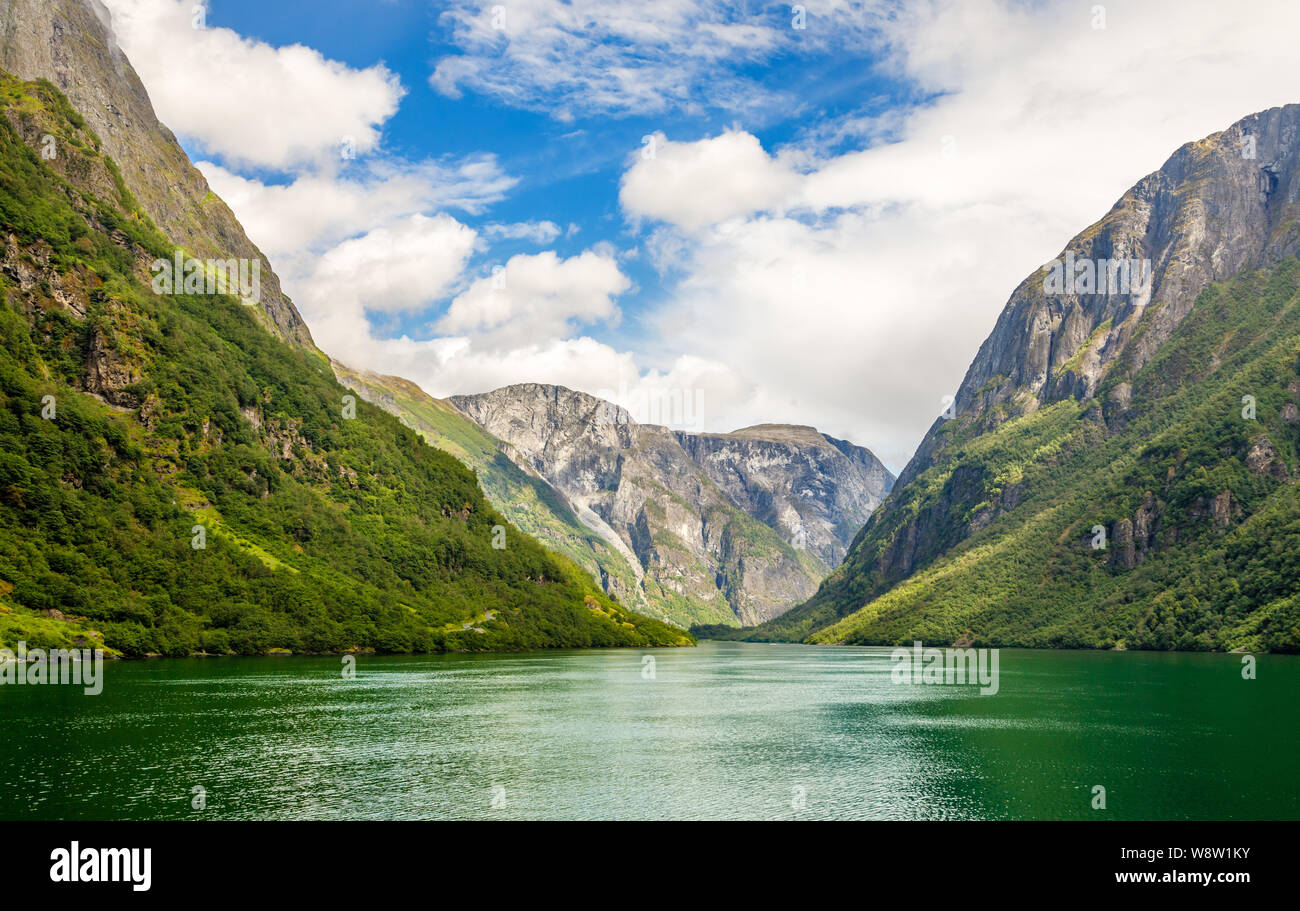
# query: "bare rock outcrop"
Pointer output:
{"type": "Point", "coordinates": [737, 526]}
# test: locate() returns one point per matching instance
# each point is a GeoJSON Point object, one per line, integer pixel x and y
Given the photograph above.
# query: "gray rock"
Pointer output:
{"type": "Point", "coordinates": [65, 42]}
{"type": "Point", "coordinates": [738, 526]}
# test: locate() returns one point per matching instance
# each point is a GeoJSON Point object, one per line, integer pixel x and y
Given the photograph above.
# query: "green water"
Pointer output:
{"type": "Point", "coordinates": [725, 730]}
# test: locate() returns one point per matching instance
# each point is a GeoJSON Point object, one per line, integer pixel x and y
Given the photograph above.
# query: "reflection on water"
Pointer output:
{"type": "Point", "coordinates": [722, 731]}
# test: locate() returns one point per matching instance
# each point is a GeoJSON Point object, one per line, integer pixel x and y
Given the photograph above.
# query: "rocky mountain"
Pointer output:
{"type": "Point", "coordinates": [1121, 468]}
{"type": "Point", "coordinates": [795, 479]}
{"type": "Point", "coordinates": [70, 43]}
{"type": "Point", "coordinates": [716, 528]}
{"type": "Point", "coordinates": [519, 492]}
{"type": "Point", "coordinates": [180, 472]}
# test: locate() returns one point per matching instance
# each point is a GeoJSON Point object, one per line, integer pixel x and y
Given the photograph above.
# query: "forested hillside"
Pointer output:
{"type": "Point", "coordinates": [526, 498]}
{"type": "Point", "coordinates": [1121, 468]}
{"type": "Point", "coordinates": [174, 478]}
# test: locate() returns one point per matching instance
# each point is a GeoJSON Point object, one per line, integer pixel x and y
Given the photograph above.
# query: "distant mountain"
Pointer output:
{"type": "Point", "coordinates": [179, 471]}
{"type": "Point", "coordinates": [716, 528]}
{"type": "Point", "coordinates": [521, 494]}
{"type": "Point", "coordinates": [1121, 467]}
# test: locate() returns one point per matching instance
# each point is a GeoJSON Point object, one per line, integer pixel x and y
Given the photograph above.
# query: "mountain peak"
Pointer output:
{"type": "Point", "coordinates": [1120, 449]}
{"type": "Point", "coordinates": [71, 45]}
{"type": "Point", "coordinates": [1216, 206]}
{"type": "Point", "coordinates": [724, 527]}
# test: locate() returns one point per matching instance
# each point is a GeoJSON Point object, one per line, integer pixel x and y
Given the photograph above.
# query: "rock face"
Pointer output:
{"type": "Point", "coordinates": [795, 479]}
{"type": "Point", "coordinates": [1210, 212]}
{"type": "Point", "coordinates": [1057, 418]}
{"type": "Point", "coordinates": [1216, 207]}
{"type": "Point", "coordinates": [721, 528]}
{"type": "Point", "coordinates": [70, 43]}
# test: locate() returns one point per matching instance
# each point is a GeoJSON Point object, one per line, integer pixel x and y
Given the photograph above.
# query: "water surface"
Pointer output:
{"type": "Point", "coordinates": [723, 731]}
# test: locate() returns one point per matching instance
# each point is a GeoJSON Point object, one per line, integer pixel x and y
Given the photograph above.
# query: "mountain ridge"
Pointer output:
{"type": "Point", "coordinates": [1062, 374]}
{"type": "Point", "coordinates": [710, 518]}
{"type": "Point", "coordinates": [181, 473]}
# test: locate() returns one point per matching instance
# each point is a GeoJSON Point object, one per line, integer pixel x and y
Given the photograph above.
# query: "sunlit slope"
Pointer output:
{"type": "Point", "coordinates": [176, 478]}
{"type": "Point", "coordinates": [1158, 422]}
{"type": "Point", "coordinates": [530, 503]}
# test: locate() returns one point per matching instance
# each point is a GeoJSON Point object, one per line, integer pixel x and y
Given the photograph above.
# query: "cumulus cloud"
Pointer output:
{"type": "Point", "coordinates": [539, 296]}
{"type": "Point", "coordinates": [695, 184]}
{"type": "Point", "coordinates": [344, 244]}
{"type": "Point", "coordinates": [858, 286]}
{"type": "Point", "coordinates": [402, 266]}
{"type": "Point", "coordinates": [318, 209]}
{"type": "Point", "coordinates": [245, 100]}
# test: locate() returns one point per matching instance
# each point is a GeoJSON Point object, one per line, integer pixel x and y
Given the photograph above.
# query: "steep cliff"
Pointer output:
{"type": "Point", "coordinates": [721, 528]}
{"type": "Point", "coordinates": [797, 480]}
{"type": "Point", "coordinates": [1122, 453]}
{"type": "Point", "coordinates": [70, 43]}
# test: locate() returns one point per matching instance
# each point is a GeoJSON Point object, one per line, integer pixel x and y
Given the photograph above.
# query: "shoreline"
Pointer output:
{"type": "Point", "coordinates": [370, 652]}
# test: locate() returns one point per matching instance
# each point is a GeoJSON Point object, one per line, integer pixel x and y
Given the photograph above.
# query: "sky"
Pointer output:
{"type": "Point", "coordinates": [716, 214]}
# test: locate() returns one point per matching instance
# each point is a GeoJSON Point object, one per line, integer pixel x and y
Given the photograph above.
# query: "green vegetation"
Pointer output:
{"type": "Point", "coordinates": [531, 504]}
{"type": "Point", "coordinates": [321, 533]}
{"type": "Point", "coordinates": [542, 512]}
{"type": "Point", "coordinates": [1199, 503]}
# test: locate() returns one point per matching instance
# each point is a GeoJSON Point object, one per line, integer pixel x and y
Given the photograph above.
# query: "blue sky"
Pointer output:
{"type": "Point", "coordinates": [830, 221]}
{"type": "Point", "coordinates": [568, 171]}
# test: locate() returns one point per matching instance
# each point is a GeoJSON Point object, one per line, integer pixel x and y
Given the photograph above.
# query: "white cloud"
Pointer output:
{"type": "Point", "coordinates": [453, 365]}
{"type": "Point", "coordinates": [342, 244]}
{"type": "Point", "coordinates": [245, 100]}
{"type": "Point", "coordinates": [693, 394]}
{"type": "Point", "coordinates": [853, 290]}
{"type": "Point", "coordinates": [696, 184]}
{"type": "Point", "coordinates": [403, 266]}
{"type": "Point", "coordinates": [538, 296]}
{"type": "Point", "coordinates": [625, 56]}
{"type": "Point", "coordinates": [318, 210]}
{"type": "Point", "coordinates": [538, 232]}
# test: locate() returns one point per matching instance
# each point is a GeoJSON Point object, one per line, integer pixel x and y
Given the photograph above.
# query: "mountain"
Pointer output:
{"type": "Point", "coordinates": [521, 494]}
{"type": "Point", "coordinates": [180, 472]}
{"type": "Point", "coordinates": [70, 43]}
{"type": "Point", "coordinates": [795, 480]}
{"type": "Point", "coordinates": [716, 528]}
{"type": "Point", "coordinates": [1121, 468]}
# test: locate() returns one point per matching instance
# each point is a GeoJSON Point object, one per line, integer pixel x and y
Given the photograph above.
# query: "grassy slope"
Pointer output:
{"type": "Point", "coordinates": [323, 533]}
{"type": "Point", "coordinates": [538, 509]}
{"type": "Point", "coordinates": [529, 502]}
{"type": "Point", "coordinates": [1031, 577]}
